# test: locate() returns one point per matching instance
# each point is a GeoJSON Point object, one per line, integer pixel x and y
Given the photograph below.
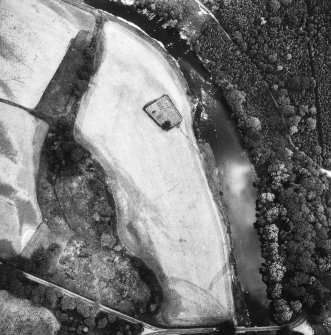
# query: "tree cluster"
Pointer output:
{"type": "Point", "coordinates": [86, 71]}
{"type": "Point", "coordinates": [61, 147]}
{"type": "Point", "coordinates": [293, 223]}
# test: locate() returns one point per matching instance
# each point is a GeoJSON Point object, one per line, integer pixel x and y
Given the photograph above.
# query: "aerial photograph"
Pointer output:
{"type": "Point", "coordinates": [165, 167]}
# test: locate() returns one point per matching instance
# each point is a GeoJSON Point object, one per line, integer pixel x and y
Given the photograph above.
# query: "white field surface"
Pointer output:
{"type": "Point", "coordinates": [35, 35]}
{"type": "Point", "coordinates": [166, 212]}
{"type": "Point", "coordinates": [21, 139]}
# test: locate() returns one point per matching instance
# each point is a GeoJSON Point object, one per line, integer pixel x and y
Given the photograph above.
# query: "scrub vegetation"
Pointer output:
{"type": "Point", "coordinates": [270, 60]}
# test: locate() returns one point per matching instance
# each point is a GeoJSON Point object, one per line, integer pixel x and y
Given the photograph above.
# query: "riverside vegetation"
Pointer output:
{"type": "Point", "coordinates": [270, 60]}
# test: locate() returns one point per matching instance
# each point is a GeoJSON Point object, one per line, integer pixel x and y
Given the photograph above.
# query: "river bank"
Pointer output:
{"type": "Point", "coordinates": [238, 195]}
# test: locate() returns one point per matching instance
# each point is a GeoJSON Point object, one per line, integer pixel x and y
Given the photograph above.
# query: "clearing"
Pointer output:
{"type": "Point", "coordinates": [166, 213]}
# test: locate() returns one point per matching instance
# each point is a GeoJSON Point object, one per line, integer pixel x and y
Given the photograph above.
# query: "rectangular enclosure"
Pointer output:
{"type": "Point", "coordinates": [164, 112]}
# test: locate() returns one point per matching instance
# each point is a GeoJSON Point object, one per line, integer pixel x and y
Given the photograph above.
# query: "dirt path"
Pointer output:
{"type": "Point", "coordinates": [167, 215]}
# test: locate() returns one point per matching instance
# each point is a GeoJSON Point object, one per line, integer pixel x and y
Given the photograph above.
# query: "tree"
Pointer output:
{"type": "Point", "coordinates": [274, 291]}
{"type": "Point", "coordinates": [68, 303]}
{"type": "Point", "coordinates": [52, 296]}
{"type": "Point", "coordinates": [90, 321]}
{"type": "Point", "coordinates": [311, 123]}
{"type": "Point", "coordinates": [296, 306]}
{"type": "Point", "coordinates": [294, 83]}
{"type": "Point", "coordinates": [84, 309]}
{"type": "Point", "coordinates": [299, 84]}
{"type": "Point", "coordinates": [282, 311]}
{"type": "Point", "coordinates": [276, 271]}
{"type": "Point", "coordinates": [254, 123]}
{"type": "Point", "coordinates": [253, 138]}
{"type": "Point", "coordinates": [270, 232]}
{"type": "Point", "coordinates": [260, 155]}
{"type": "Point", "coordinates": [80, 87]}
{"type": "Point", "coordinates": [293, 121]}
{"type": "Point", "coordinates": [274, 5]}
{"type": "Point", "coordinates": [236, 100]}
{"type": "Point", "coordinates": [166, 125]}
{"type": "Point", "coordinates": [102, 323]}
{"type": "Point", "coordinates": [303, 110]}
{"type": "Point", "coordinates": [111, 318]}
{"type": "Point", "coordinates": [293, 130]}
{"type": "Point", "coordinates": [292, 20]}
{"type": "Point", "coordinates": [89, 53]}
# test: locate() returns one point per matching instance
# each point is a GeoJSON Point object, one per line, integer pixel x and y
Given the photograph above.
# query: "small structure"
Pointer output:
{"type": "Point", "coordinates": [164, 112]}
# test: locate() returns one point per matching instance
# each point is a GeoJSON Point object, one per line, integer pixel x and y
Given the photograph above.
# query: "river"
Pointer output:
{"type": "Point", "coordinates": [239, 195]}
{"type": "Point", "coordinates": [236, 173]}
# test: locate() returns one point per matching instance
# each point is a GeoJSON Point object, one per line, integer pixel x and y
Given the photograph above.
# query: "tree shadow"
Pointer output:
{"type": "Point", "coordinates": [260, 317]}
{"type": "Point", "coordinates": [6, 249]}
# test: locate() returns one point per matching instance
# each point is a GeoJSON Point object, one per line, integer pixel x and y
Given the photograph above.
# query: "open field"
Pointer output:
{"type": "Point", "coordinates": [19, 161]}
{"type": "Point", "coordinates": [166, 212]}
{"type": "Point", "coordinates": [35, 36]}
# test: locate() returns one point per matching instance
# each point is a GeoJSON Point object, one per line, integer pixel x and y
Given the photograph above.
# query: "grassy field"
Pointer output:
{"type": "Point", "coordinates": [166, 212]}
{"type": "Point", "coordinates": [19, 163]}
